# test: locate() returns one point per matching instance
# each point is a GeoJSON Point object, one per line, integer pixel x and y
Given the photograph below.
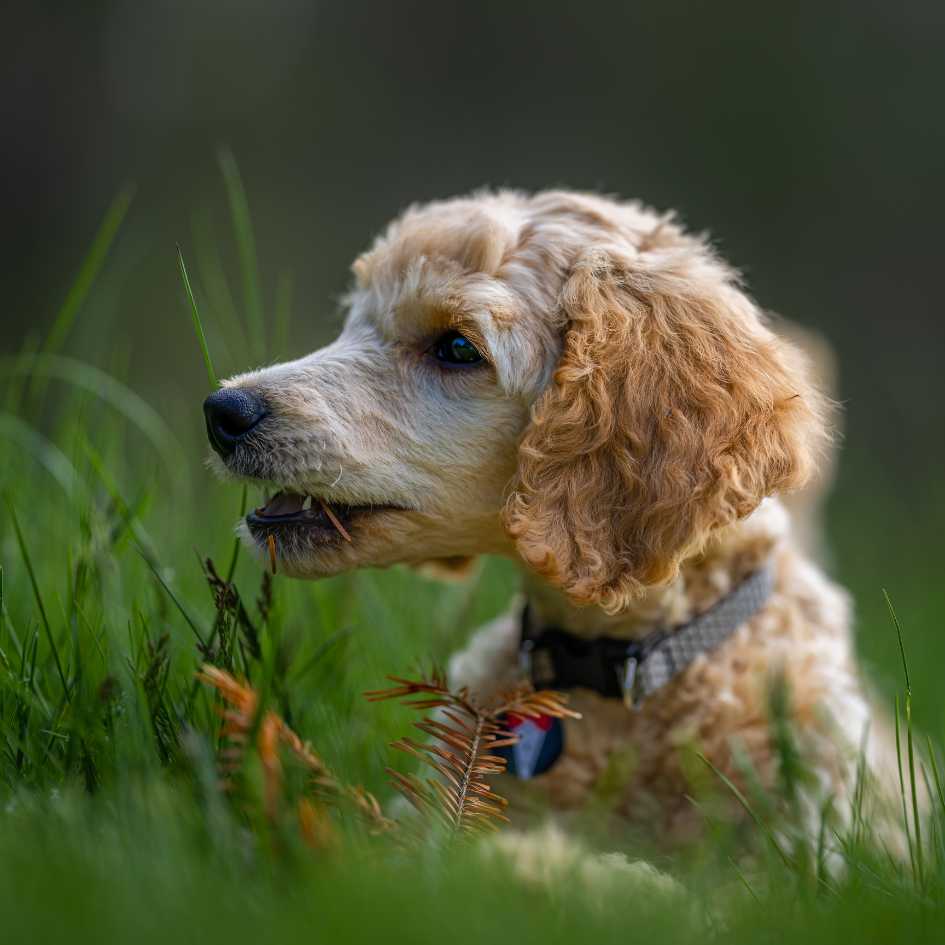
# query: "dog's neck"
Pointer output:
{"type": "Point", "coordinates": [704, 579]}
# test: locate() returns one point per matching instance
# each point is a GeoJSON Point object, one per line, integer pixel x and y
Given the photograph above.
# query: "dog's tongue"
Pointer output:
{"type": "Point", "coordinates": [282, 503]}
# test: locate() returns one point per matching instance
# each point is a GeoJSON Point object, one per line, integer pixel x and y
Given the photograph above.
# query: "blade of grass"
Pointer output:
{"type": "Point", "coordinates": [762, 826]}
{"type": "Point", "coordinates": [216, 288]}
{"type": "Point", "coordinates": [128, 513]}
{"type": "Point", "coordinates": [744, 879]}
{"type": "Point", "coordinates": [46, 453]}
{"type": "Point", "coordinates": [198, 325]}
{"type": "Point", "coordinates": [36, 594]}
{"type": "Point", "coordinates": [857, 821]}
{"type": "Point", "coordinates": [902, 788]}
{"type": "Point", "coordinates": [321, 651]}
{"type": "Point", "coordinates": [237, 544]}
{"type": "Point", "coordinates": [915, 799]}
{"type": "Point", "coordinates": [19, 381]}
{"type": "Point", "coordinates": [183, 611]}
{"type": "Point", "coordinates": [7, 622]}
{"type": "Point", "coordinates": [902, 648]}
{"type": "Point", "coordinates": [112, 392]}
{"type": "Point", "coordinates": [3, 621]}
{"type": "Point", "coordinates": [909, 742]}
{"type": "Point", "coordinates": [90, 268]}
{"type": "Point", "coordinates": [246, 246]}
{"type": "Point", "coordinates": [821, 869]}
{"type": "Point", "coordinates": [934, 840]}
{"type": "Point", "coordinates": [939, 788]}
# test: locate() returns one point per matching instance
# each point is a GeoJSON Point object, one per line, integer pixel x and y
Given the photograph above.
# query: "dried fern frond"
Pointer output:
{"type": "Point", "coordinates": [461, 748]}
{"type": "Point", "coordinates": [524, 701]}
{"type": "Point", "coordinates": [273, 732]}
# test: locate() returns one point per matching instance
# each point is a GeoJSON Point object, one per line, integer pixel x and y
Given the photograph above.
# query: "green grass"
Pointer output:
{"type": "Point", "coordinates": [113, 827]}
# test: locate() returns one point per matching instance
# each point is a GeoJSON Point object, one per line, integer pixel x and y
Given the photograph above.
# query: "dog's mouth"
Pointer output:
{"type": "Point", "coordinates": [288, 512]}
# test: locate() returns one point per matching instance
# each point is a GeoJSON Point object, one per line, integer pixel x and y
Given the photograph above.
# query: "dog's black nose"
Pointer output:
{"type": "Point", "coordinates": [231, 413]}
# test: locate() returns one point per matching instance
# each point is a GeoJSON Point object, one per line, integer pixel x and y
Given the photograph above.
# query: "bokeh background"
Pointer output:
{"type": "Point", "coordinates": [808, 138]}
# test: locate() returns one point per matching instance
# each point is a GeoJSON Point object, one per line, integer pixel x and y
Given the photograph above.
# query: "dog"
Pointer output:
{"type": "Point", "coordinates": [577, 383]}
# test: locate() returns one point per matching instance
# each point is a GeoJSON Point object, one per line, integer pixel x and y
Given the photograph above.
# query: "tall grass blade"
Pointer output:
{"type": "Point", "coordinates": [128, 513]}
{"type": "Point", "coordinates": [36, 594]}
{"type": "Point", "coordinates": [228, 327]}
{"type": "Point", "coordinates": [46, 453]}
{"type": "Point", "coordinates": [18, 382]}
{"type": "Point", "coordinates": [744, 880]}
{"type": "Point", "coordinates": [902, 788]}
{"type": "Point", "coordinates": [857, 821]}
{"type": "Point", "coordinates": [3, 621]}
{"type": "Point", "coordinates": [902, 648]}
{"type": "Point", "coordinates": [117, 395]}
{"type": "Point", "coordinates": [910, 750]}
{"type": "Point", "coordinates": [89, 270]}
{"type": "Point", "coordinates": [198, 324]}
{"type": "Point", "coordinates": [939, 784]}
{"type": "Point", "coordinates": [821, 869]}
{"type": "Point", "coordinates": [915, 798]}
{"type": "Point", "coordinates": [246, 246]}
{"type": "Point", "coordinates": [177, 603]}
{"type": "Point", "coordinates": [759, 822]}
{"type": "Point", "coordinates": [237, 543]}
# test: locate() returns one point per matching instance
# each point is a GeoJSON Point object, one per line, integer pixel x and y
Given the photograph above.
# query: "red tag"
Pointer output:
{"type": "Point", "coordinates": [539, 746]}
{"type": "Point", "coordinates": [544, 722]}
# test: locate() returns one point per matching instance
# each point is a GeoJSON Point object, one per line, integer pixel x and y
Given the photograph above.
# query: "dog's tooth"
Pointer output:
{"type": "Point", "coordinates": [307, 504]}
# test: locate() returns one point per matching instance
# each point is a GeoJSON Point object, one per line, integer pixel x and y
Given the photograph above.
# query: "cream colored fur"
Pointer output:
{"type": "Point", "coordinates": [625, 442]}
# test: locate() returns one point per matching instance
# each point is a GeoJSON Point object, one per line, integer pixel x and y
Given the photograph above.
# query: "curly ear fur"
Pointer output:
{"type": "Point", "coordinates": [673, 412]}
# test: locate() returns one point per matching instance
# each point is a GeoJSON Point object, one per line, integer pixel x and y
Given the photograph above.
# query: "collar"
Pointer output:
{"type": "Point", "coordinates": [633, 669]}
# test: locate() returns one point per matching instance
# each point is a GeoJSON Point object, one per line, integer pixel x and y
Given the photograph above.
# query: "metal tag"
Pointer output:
{"type": "Point", "coordinates": [631, 698]}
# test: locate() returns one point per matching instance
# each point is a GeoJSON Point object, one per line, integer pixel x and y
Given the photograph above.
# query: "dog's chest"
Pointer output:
{"type": "Point", "coordinates": [602, 755]}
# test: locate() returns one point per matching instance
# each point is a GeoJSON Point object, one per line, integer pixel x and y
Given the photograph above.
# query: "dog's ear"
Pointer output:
{"type": "Point", "coordinates": [673, 411]}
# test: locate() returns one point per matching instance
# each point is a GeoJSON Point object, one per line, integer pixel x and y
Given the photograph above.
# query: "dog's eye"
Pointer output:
{"type": "Point", "coordinates": [453, 348]}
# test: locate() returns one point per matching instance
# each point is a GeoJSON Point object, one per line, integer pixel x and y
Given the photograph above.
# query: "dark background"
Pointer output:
{"type": "Point", "coordinates": [807, 138]}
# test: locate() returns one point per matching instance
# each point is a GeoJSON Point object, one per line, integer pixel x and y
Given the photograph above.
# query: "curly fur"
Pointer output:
{"type": "Point", "coordinates": [673, 412]}
{"type": "Point", "coordinates": [625, 440]}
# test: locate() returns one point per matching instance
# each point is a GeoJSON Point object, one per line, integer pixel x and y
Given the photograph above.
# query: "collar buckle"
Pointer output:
{"type": "Point", "coordinates": [628, 680]}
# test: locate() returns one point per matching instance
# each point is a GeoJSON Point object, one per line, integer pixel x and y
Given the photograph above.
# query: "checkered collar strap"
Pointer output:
{"type": "Point", "coordinates": [633, 669]}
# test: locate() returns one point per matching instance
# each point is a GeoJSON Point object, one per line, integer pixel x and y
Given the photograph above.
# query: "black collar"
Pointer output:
{"type": "Point", "coordinates": [631, 669]}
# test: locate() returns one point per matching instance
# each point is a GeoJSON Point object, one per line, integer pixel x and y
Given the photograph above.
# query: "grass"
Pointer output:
{"type": "Point", "coordinates": [198, 324]}
{"type": "Point", "coordinates": [113, 826]}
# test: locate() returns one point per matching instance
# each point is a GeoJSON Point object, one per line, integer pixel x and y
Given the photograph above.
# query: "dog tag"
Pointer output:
{"type": "Point", "coordinates": [539, 746]}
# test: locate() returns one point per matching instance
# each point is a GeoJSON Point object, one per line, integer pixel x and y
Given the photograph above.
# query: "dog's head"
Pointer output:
{"type": "Point", "coordinates": [560, 376]}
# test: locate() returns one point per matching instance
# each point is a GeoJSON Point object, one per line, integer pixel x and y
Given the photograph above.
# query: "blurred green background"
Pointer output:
{"type": "Point", "coordinates": [808, 138]}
